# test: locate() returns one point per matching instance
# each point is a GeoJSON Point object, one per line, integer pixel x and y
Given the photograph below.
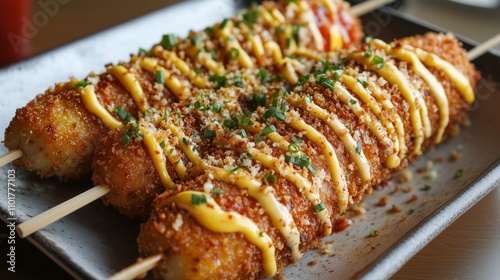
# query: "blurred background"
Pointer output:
{"type": "Point", "coordinates": [31, 27]}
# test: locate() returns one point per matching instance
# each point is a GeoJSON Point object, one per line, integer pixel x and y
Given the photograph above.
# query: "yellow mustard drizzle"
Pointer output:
{"type": "Point", "coordinates": [233, 44]}
{"type": "Point", "coordinates": [434, 85]}
{"type": "Point", "coordinates": [174, 158]}
{"type": "Point", "coordinates": [307, 13]}
{"type": "Point", "coordinates": [392, 150]}
{"type": "Point", "coordinates": [171, 153]}
{"type": "Point", "coordinates": [212, 217]}
{"type": "Point", "coordinates": [287, 70]}
{"type": "Point", "coordinates": [131, 84]}
{"type": "Point", "coordinates": [389, 109]}
{"type": "Point", "coordinates": [292, 176]}
{"type": "Point", "coordinates": [392, 74]}
{"type": "Point", "coordinates": [206, 60]}
{"type": "Point", "coordinates": [181, 65]}
{"type": "Point", "coordinates": [460, 80]}
{"type": "Point", "coordinates": [336, 171]}
{"type": "Point", "coordinates": [308, 53]}
{"type": "Point", "coordinates": [173, 83]}
{"type": "Point", "coordinates": [184, 143]}
{"type": "Point", "coordinates": [92, 105]}
{"type": "Point", "coordinates": [336, 41]}
{"type": "Point", "coordinates": [157, 156]}
{"type": "Point", "coordinates": [257, 47]}
{"type": "Point", "coordinates": [279, 214]}
{"type": "Point", "coordinates": [275, 50]}
{"type": "Point", "coordinates": [278, 16]}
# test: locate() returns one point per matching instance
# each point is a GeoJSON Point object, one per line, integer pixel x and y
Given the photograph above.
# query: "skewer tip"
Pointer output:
{"type": "Point", "coordinates": [484, 47]}
{"type": "Point", "coordinates": [10, 157]}
{"type": "Point", "coordinates": [139, 268]}
{"type": "Point", "coordinates": [368, 6]}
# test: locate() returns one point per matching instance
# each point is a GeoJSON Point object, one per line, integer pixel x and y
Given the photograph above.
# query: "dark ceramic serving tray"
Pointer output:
{"type": "Point", "coordinates": [95, 242]}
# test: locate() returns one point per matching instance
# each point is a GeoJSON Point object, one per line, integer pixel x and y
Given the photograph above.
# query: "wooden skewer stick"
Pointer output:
{"type": "Point", "coordinates": [139, 268]}
{"type": "Point", "coordinates": [480, 49]}
{"type": "Point", "coordinates": [368, 6]}
{"type": "Point", "coordinates": [10, 156]}
{"type": "Point", "coordinates": [48, 217]}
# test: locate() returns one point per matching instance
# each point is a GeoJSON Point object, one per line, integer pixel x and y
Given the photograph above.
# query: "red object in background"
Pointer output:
{"type": "Point", "coordinates": [15, 31]}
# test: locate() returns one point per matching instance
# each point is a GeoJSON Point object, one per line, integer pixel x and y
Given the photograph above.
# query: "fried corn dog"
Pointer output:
{"type": "Point", "coordinates": [59, 130]}
{"type": "Point", "coordinates": [269, 195]}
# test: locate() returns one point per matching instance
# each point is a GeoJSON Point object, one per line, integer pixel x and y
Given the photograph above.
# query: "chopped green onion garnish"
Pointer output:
{"type": "Point", "coordinates": [295, 33]}
{"type": "Point", "coordinates": [213, 54]}
{"type": "Point", "coordinates": [425, 188]}
{"type": "Point", "coordinates": [293, 148]}
{"type": "Point", "coordinates": [311, 168]}
{"type": "Point", "coordinates": [352, 101]}
{"type": "Point", "coordinates": [459, 173]}
{"type": "Point", "coordinates": [143, 52]}
{"type": "Point", "coordinates": [233, 169]}
{"type": "Point", "coordinates": [374, 233]}
{"type": "Point", "coordinates": [238, 81]}
{"type": "Point", "coordinates": [124, 115]}
{"type": "Point", "coordinates": [280, 29]}
{"type": "Point", "coordinates": [297, 160]}
{"type": "Point", "coordinates": [245, 121]}
{"type": "Point", "coordinates": [362, 81]}
{"type": "Point", "coordinates": [217, 191]}
{"type": "Point", "coordinates": [326, 82]}
{"type": "Point", "coordinates": [195, 41]}
{"type": "Point", "coordinates": [82, 83]}
{"type": "Point", "coordinates": [223, 23]}
{"type": "Point", "coordinates": [296, 140]}
{"type": "Point", "coordinates": [210, 30]}
{"type": "Point", "coordinates": [125, 139]}
{"type": "Point", "coordinates": [270, 179]}
{"type": "Point", "coordinates": [368, 52]}
{"type": "Point", "coordinates": [257, 100]}
{"type": "Point", "coordinates": [198, 199]}
{"type": "Point", "coordinates": [258, 139]}
{"type": "Point", "coordinates": [302, 80]}
{"type": "Point", "coordinates": [162, 144]}
{"type": "Point", "coordinates": [210, 134]}
{"type": "Point", "coordinates": [220, 81]}
{"type": "Point", "coordinates": [234, 53]}
{"type": "Point", "coordinates": [358, 149]}
{"type": "Point", "coordinates": [184, 140]}
{"type": "Point", "coordinates": [263, 76]}
{"type": "Point", "coordinates": [168, 41]}
{"type": "Point", "coordinates": [272, 112]}
{"type": "Point", "coordinates": [378, 62]}
{"type": "Point", "coordinates": [160, 77]}
{"type": "Point", "coordinates": [231, 123]}
{"type": "Point", "coordinates": [301, 160]}
{"type": "Point", "coordinates": [243, 133]}
{"type": "Point", "coordinates": [319, 207]}
{"type": "Point", "coordinates": [269, 129]}
{"type": "Point", "coordinates": [216, 107]}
